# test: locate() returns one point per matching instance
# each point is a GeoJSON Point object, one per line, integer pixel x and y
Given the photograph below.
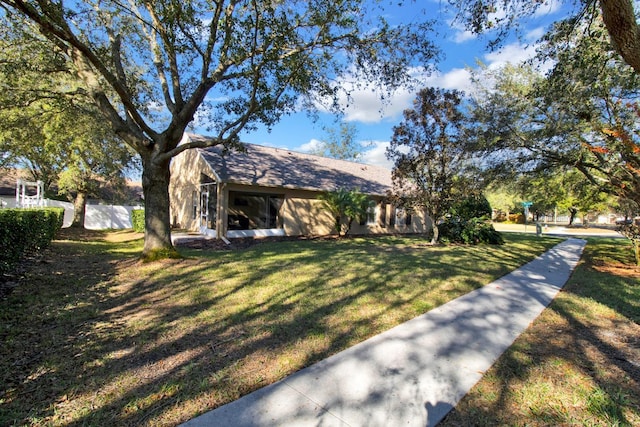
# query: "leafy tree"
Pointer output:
{"type": "Point", "coordinates": [429, 153]}
{"type": "Point", "coordinates": [340, 143]}
{"type": "Point", "coordinates": [47, 125]}
{"type": "Point", "coordinates": [502, 17]}
{"type": "Point", "coordinates": [472, 206]}
{"type": "Point", "coordinates": [468, 221]}
{"type": "Point", "coordinates": [151, 67]}
{"type": "Point", "coordinates": [346, 206]}
{"type": "Point", "coordinates": [502, 199]}
{"type": "Point", "coordinates": [580, 116]}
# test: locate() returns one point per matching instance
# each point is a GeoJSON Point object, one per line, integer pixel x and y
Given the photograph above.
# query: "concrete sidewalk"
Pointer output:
{"type": "Point", "coordinates": [415, 373]}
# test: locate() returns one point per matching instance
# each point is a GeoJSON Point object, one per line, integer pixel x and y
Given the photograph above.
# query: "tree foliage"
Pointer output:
{"type": "Point", "coordinates": [502, 17]}
{"type": "Point", "coordinates": [340, 143]}
{"type": "Point", "coordinates": [582, 115]}
{"type": "Point", "coordinates": [47, 124]}
{"type": "Point", "coordinates": [345, 207]}
{"type": "Point", "coordinates": [152, 68]}
{"type": "Point", "coordinates": [428, 149]}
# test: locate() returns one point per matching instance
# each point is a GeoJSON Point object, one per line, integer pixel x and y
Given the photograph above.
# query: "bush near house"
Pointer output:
{"type": "Point", "coordinates": [137, 220]}
{"type": "Point", "coordinates": [24, 231]}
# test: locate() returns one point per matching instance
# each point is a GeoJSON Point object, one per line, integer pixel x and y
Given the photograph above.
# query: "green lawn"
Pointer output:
{"type": "Point", "coordinates": [94, 337]}
{"type": "Point", "coordinates": [579, 363]}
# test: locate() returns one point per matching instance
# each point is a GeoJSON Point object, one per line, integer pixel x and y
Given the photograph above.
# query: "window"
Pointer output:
{"type": "Point", "coordinates": [371, 214]}
{"type": "Point", "coordinates": [400, 216]}
{"type": "Point", "coordinates": [194, 204]}
{"type": "Point", "coordinates": [383, 215]}
{"type": "Point", "coordinates": [254, 211]}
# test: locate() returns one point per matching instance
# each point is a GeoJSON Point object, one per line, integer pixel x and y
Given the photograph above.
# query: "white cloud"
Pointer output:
{"type": "Point", "coordinates": [310, 146]}
{"type": "Point", "coordinates": [367, 105]}
{"type": "Point", "coordinates": [457, 78]}
{"type": "Point", "coordinates": [463, 36]}
{"type": "Point", "coordinates": [374, 154]}
{"type": "Point", "coordinates": [535, 34]}
{"type": "Point", "coordinates": [548, 8]}
{"type": "Point", "coordinates": [514, 53]}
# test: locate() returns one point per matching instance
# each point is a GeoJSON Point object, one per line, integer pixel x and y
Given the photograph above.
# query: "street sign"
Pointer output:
{"type": "Point", "coordinates": [527, 204]}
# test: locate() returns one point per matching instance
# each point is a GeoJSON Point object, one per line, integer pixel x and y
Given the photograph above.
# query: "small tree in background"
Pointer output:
{"type": "Point", "coordinates": [340, 143]}
{"type": "Point", "coordinates": [345, 207]}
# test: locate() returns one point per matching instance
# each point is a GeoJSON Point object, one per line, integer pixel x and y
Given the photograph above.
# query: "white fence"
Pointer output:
{"type": "Point", "coordinates": [96, 217]}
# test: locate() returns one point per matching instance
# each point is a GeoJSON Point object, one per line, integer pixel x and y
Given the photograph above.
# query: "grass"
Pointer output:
{"type": "Point", "coordinates": [92, 336]}
{"type": "Point", "coordinates": [579, 362]}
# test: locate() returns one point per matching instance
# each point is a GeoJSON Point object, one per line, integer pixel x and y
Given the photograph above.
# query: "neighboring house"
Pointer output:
{"type": "Point", "coordinates": [267, 191]}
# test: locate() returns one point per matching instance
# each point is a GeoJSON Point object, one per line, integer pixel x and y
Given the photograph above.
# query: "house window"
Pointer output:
{"type": "Point", "coordinates": [371, 214]}
{"type": "Point", "coordinates": [383, 215]}
{"type": "Point", "coordinates": [194, 204]}
{"type": "Point", "coordinates": [254, 211]}
{"type": "Point", "coordinates": [400, 216]}
{"type": "Point", "coordinates": [403, 217]}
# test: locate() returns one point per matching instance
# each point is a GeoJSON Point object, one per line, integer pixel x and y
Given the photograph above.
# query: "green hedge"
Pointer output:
{"type": "Point", "coordinates": [137, 220]}
{"type": "Point", "coordinates": [24, 231]}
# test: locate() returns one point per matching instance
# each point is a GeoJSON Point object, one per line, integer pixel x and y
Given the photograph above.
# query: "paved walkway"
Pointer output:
{"type": "Point", "coordinates": [415, 373]}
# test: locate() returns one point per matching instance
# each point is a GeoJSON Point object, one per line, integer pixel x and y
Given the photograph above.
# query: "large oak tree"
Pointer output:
{"type": "Point", "coordinates": [583, 114]}
{"type": "Point", "coordinates": [152, 67]}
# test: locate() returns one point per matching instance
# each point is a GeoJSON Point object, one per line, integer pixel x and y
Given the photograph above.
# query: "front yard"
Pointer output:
{"type": "Point", "coordinates": [91, 336]}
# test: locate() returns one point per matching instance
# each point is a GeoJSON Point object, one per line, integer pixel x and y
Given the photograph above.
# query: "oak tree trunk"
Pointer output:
{"type": "Point", "coordinates": [155, 187]}
{"type": "Point", "coordinates": [79, 205]}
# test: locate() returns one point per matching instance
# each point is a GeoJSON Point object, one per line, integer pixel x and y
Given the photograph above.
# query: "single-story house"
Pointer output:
{"type": "Point", "coordinates": [266, 191]}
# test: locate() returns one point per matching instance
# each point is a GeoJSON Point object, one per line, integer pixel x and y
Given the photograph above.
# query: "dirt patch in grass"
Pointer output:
{"type": "Point", "coordinates": [79, 234]}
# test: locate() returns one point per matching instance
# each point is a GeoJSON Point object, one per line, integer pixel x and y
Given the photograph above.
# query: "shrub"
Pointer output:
{"type": "Point", "coordinates": [137, 220]}
{"type": "Point", "coordinates": [474, 206]}
{"type": "Point", "coordinates": [468, 223]}
{"type": "Point", "coordinates": [470, 232]}
{"type": "Point", "coordinates": [25, 231]}
{"type": "Point", "coordinates": [516, 218]}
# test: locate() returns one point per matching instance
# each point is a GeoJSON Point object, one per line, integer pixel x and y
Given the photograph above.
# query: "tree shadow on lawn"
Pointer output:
{"type": "Point", "coordinates": [577, 363]}
{"type": "Point", "coordinates": [92, 338]}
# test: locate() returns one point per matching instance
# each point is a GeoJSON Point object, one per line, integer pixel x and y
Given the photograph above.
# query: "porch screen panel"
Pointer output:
{"type": "Point", "coordinates": [254, 211]}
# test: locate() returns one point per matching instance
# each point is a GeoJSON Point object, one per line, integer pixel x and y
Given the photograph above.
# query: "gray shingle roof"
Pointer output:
{"type": "Point", "coordinates": [282, 168]}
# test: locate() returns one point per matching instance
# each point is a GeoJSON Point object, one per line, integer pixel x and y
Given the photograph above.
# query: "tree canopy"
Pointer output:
{"type": "Point", "coordinates": [152, 68]}
{"type": "Point", "coordinates": [429, 152]}
{"type": "Point", "coordinates": [502, 17]}
{"type": "Point", "coordinates": [583, 114]}
{"type": "Point", "coordinates": [51, 128]}
{"type": "Point", "coordinates": [340, 143]}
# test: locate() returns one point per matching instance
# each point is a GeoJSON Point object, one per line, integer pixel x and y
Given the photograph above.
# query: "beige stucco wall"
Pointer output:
{"type": "Point", "coordinates": [301, 212]}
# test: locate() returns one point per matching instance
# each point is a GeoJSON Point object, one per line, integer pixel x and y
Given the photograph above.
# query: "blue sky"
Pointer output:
{"type": "Point", "coordinates": [374, 122]}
